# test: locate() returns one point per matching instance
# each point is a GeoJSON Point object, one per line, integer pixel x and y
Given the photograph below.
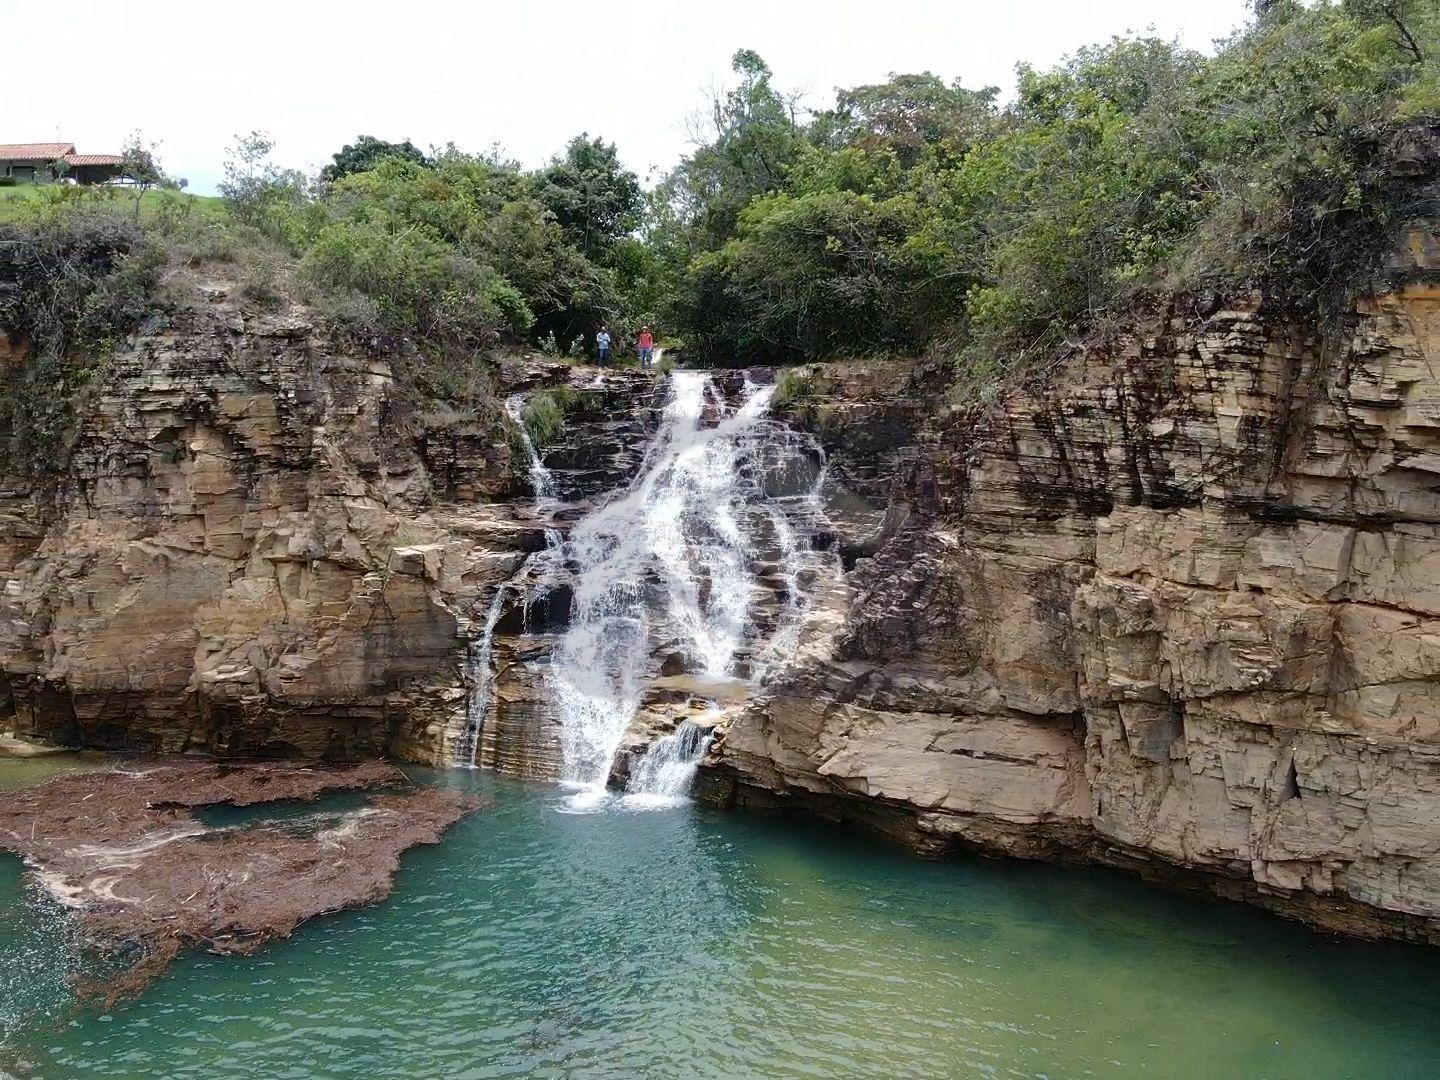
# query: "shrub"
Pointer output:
{"type": "Point", "coordinates": [417, 282]}
{"type": "Point", "coordinates": [71, 288]}
{"type": "Point", "coordinates": [917, 214]}
{"type": "Point", "coordinates": [544, 414]}
{"type": "Point", "coordinates": [794, 385]}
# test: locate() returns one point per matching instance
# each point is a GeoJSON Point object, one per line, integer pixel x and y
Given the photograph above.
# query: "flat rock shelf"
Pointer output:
{"type": "Point", "coordinates": [146, 877]}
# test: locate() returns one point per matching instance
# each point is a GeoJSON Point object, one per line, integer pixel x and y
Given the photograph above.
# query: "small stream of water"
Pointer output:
{"type": "Point", "coordinates": [480, 656]}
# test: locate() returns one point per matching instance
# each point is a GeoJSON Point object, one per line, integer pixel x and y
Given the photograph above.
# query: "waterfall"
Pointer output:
{"type": "Point", "coordinates": [670, 560]}
{"type": "Point", "coordinates": [478, 657]}
{"type": "Point", "coordinates": [540, 478]}
{"type": "Point", "coordinates": [477, 663]}
{"type": "Point", "coordinates": [664, 775]}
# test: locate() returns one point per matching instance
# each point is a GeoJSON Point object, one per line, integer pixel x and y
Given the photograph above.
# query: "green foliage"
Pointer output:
{"type": "Point", "coordinates": [1291, 124]}
{"type": "Point", "coordinates": [460, 249]}
{"type": "Point", "coordinates": [262, 196]}
{"type": "Point", "coordinates": [593, 197]}
{"type": "Point", "coordinates": [72, 286]}
{"type": "Point", "coordinates": [914, 213]}
{"type": "Point", "coordinates": [378, 244]}
{"type": "Point", "coordinates": [365, 153]}
{"type": "Point", "coordinates": [794, 387]}
{"type": "Point", "coordinates": [909, 117]}
{"type": "Point", "coordinates": [753, 139]}
{"type": "Point", "coordinates": [780, 242]}
{"type": "Point", "coordinates": [809, 275]}
{"type": "Point", "coordinates": [1079, 200]}
{"type": "Point", "coordinates": [544, 414]}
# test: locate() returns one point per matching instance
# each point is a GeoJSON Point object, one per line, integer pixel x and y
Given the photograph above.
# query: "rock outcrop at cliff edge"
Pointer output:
{"type": "Point", "coordinates": [1178, 610]}
{"type": "Point", "coordinates": [267, 543]}
{"type": "Point", "coordinates": [243, 555]}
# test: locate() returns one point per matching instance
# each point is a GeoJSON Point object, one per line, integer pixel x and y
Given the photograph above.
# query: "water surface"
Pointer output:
{"type": "Point", "coordinates": [683, 942]}
{"type": "Point", "coordinates": [22, 771]}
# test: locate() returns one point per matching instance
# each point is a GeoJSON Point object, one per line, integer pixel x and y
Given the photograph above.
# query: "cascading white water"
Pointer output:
{"type": "Point", "coordinates": [477, 663]}
{"type": "Point", "coordinates": [540, 477]}
{"type": "Point", "coordinates": [664, 775]}
{"type": "Point", "coordinates": [674, 554]}
{"type": "Point", "coordinates": [478, 657]}
{"type": "Point", "coordinates": [675, 564]}
{"type": "Point", "coordinates": [794, 518]}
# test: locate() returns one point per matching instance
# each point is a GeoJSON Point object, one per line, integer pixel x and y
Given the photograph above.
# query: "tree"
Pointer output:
{"type": "Point", "coordinates": [365, 153]}
{"type": "Point", "coordinates": [261, 194]}
{"type": "Point", "coordinates": [595, 199]}
{"type": "Point", "coordinates": [752, 140]}
{"type": "Point", "coordinates": [907, 115]}
{"type": "Point", "coordinates": [140, 164]}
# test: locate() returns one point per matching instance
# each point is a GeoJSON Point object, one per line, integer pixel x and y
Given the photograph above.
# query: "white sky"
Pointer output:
{"type": "Point", "coordinates": [528, 74]}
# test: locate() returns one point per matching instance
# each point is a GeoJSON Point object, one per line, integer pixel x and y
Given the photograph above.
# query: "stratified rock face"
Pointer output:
{"type": "Point", "coordinates": [1176, 609]}
{"type": "Point", "coordinates": [1179, 610]}
{"type": "Point", "coordinates": [259, 548]}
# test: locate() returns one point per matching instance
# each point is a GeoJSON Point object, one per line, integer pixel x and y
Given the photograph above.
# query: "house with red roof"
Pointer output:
{"type": "Point", "coordinates": [45, 163]}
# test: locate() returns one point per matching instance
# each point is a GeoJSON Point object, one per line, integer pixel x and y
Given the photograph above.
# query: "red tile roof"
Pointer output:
{"type": "Point", "coordinates": [92, 159]}
{"type": "Point", "coordinates": [32, 151]}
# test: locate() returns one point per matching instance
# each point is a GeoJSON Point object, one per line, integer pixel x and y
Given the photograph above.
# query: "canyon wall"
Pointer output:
{"type": "Point", "coordinates": [1175, 608]}
{"type": "Point", "coordinates": [262, 546]}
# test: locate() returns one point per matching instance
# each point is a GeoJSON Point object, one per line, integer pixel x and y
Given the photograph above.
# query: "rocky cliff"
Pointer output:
{"type": "Point", "coordinates": [1175, 608]}
{"type": "Point", "coordinates": [262, 545]}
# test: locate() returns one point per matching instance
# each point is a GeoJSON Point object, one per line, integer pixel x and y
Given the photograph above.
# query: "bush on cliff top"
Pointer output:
{"type": "Point", "coordinates": [458, 249]}
{"type": "Point", "coordinates": [71, 288]}
{"type": "Point", "coordinates": [544, 414]}
{"type": "Point", "coordinates": [916, 212]}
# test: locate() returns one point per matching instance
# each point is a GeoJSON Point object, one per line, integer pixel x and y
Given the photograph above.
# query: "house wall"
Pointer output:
{"type": "Point", "coordinates": [44, 173]}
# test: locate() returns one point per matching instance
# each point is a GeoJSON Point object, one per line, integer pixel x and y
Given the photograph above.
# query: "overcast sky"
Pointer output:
{"type": "Point", "coordinates": [526, 73]}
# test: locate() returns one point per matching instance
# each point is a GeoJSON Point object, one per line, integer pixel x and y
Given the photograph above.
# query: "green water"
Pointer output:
{"type": "Point", "coordinates": [18, 772]}
{"type": "Point", "coordinates": [688, 943]}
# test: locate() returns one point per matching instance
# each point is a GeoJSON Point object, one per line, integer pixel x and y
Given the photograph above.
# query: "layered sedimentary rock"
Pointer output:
{"type": "Point", "coordinates": [1175, 606]}
{"type": "Point", "coordinates": [147, 878]}
{"type": "Point", "coordinates": [1173, 609]}
{"type": "Point", "coordinates": [262, 545]}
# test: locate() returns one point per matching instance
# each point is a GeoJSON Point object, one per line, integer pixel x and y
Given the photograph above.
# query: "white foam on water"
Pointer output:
{"type": "Point", "coordinates": [664, 775]}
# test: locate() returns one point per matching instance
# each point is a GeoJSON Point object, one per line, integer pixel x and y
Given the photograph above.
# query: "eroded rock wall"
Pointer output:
{"type": "Point", "coordinates": [1176, 607]}
{"type": "Point", "coordinates": [262, 546]}
{"type": "Point", "coordinates": [1175, 610]}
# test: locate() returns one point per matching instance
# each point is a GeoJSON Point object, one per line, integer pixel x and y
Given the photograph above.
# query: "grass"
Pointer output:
{"type": "Point", "coordinates": [25, 200]}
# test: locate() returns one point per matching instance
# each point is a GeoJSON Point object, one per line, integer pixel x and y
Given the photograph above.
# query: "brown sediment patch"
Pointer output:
{"type": "Point", "coordinates": [148, 879]}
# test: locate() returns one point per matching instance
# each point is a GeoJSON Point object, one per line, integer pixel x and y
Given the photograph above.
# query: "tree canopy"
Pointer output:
{"type": "Point", "coordinates": [904, 215]}
{"type": "Point", "coordinates": [365, 153]}
{"type": "Point", "coordinates": [916, 212]}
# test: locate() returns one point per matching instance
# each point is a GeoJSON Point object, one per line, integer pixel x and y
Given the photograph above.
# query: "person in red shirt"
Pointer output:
{"type": "Point", "coordinates": [647, 347]}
